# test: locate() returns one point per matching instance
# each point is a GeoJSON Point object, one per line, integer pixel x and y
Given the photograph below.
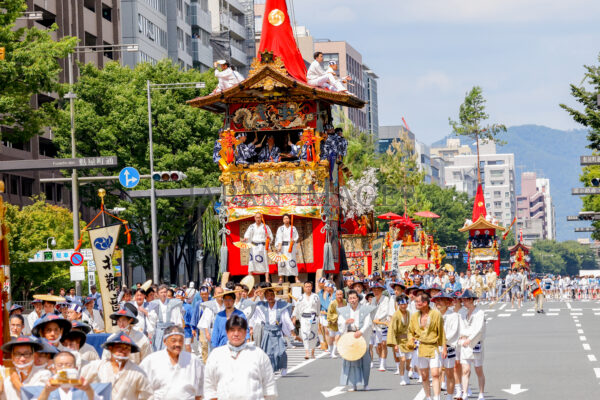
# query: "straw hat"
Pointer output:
{"type": "Point", "coordinates": [248, 280]}
{"type": "Point", "coordinates": [226, 292]}
{"type": "Point", "coordinates": [146, 285]}
{"type": "Point", "coordinates": [351, 348]}
{"type": "Point", "coordinates": [49, 297]}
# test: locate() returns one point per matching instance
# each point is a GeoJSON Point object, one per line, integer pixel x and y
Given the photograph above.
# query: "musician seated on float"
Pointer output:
{"type": "Point", "coordinates": [270, 152]}
{"type": "Point", "coordinates": [333, 70]}
{"type": "Point", "coordinates": [317, 76]}
{"type": "Point", "coordinates": [244, 152]}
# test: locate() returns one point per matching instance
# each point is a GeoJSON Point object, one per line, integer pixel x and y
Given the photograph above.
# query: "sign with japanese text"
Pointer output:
{"type": "Point", "coordinates": [396, 246]}
{"type": "Point", "coordinates": [377, 255]}
{"type": "Point", "coordinates": [103, 242]}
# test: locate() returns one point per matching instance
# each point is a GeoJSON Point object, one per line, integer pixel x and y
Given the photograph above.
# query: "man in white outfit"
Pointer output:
{"type": "Point", "coordinates": [227, 77]}
{"type": "Point", "coordinates": [286, 242]}
{"type": "Point", "coordinates": [316, 76]}
{"type": "Point", "coordinates": [174, 374]}
{"type": "Point", "coordinates": [472, 335]}
{"type": "Point", "coordinates": [260, 235]}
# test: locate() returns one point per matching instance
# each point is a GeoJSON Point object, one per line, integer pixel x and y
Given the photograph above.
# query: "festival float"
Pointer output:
{"type": "Point", "coordinates": [483, 246]}
{"type": "Point", "coordinates": [276, 100]}
{"type": "Point", "coordinates": [519, 254]}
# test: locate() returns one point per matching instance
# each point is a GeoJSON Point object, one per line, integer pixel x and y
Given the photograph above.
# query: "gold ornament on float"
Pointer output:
{"type": "Point", "coordinates": [276, 17]}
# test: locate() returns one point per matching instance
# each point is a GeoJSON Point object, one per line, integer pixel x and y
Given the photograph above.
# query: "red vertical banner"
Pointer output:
{"type": "Point", "coordinates": [277, 36]}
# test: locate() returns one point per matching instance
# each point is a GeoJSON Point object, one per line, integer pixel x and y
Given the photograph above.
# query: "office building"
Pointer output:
{"type": "Point", "coordinates": [535, 211]}
{"type": "Point", "coordinates": [94, 22]}
{"type": "Point", "coordinates": [370, 80]}
{"type": "Point", "coordinates": [232, 32]}
{"type": "Point", "coordinates": [177, 29]}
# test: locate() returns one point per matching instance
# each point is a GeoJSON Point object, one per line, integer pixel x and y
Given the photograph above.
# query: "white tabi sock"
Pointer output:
{"type": "Point", "coordinates": [333, 347]}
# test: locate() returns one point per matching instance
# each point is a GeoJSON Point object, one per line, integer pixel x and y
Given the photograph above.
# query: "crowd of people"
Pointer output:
{"type": "Point", "coordinates": [229, 341]}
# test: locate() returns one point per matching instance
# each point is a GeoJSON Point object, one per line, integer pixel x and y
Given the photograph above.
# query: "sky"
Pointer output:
{"type": "Point", "coordinates": [429, 53]}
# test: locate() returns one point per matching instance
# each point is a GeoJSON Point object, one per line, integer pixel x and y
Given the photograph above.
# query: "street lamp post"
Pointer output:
{"type": "Point", "coordinates": [71, 96]}
{"type": "Point", "coordinates": [154, 227]}
{"type": "Point", "coordinates": [53, 243]}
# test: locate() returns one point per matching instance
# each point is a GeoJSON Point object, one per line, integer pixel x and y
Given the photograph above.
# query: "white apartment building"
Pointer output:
{"type": "Point", "coordinates": [497, 177]}
{"type": "Point", "coordinates": [543, 186]}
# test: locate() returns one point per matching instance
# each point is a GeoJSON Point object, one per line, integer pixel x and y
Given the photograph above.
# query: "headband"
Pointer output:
{"type": "Point", "coordinates": [173, 334]}
{"type": "Point", "coordinates": [403, 301]}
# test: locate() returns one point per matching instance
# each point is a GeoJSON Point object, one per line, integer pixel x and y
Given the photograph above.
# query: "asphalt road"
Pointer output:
{"type": "Point", "coordinates": [528, 356]}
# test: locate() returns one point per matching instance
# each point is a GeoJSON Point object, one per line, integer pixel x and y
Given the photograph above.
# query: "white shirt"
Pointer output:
{"type": "Point", "coordinates": [473, 328]}
{"type": "Point", "coordinates": [37, 377]}
{"type": "Point", "coordinates": [315, 71]}
{"type": "Point", "coordinates": [94, 320]}
{"type": "Point", "coordinates": [32, 317]}
{"type": "Point", "coordinates": [176, 316]}
{"type": "Point", "coordinates": [451, 327]}
{"type": "Point", "coordinates": [286, 323]}
{"type": "Point", "coordinates": [182, 381]}
{"type": "Point", "coordinates": [383, 312]}
{"type": "Point", "coordinates": [366, 329]}
{"type": "Point", "coordinates": [208, 317]}
{"type": "Point", "coordinates": [249, 376]}
{"type": "Point", "coordinates": [227, 78]}
{"type": "Point", "coordinates": [307, 304]}
{"type": "Point", "coordinates": [256, 233]}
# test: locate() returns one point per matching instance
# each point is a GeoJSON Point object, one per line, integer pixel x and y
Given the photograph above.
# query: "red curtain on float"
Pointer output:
{"type": "Point", "coordinates": [277, 36]}
{"type": "Point", "coordinates": [234, 261]}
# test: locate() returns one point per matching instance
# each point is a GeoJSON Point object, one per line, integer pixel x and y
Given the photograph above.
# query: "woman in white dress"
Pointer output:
{"type": "Point", "coordinates": [260, 235]}
{"type": "Point", "coordinates": [286, 239]}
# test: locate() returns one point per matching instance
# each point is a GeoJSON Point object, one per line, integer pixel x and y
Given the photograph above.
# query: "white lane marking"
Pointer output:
{"type": "Point", "coordinates": [529, 309]}
{"type": "Point", "coordinates": [597, 313]}
{"type": "Point", "coordinates": [489, 319]}
{"type": "Point", "coordinates": [597, 372]}
{"type": "Point", "coordinates": [488, 311]}
{"type": "Point", "coordinates": [586, 347]}
{"type": "Point", "coordinates": [575, 309]}
{"type": "Point", "coordinates": [582, 338]}
{"type": "Point", "coordinates": [553, 314]}
{"type": "Point", "coordinates": [503, 305]}
{"type": "Point", "coordinates": [595, 309]}
{"type": "Point", "coordinates": [511, 309]}
{"type": "Point", "coordinates": [334, 392]}
{"type": "Point", "coordinates": [592, 357]}
{"type": "Point", "coordinates": [578, 325]}
{"type": "Point", "coordinates": [580, 331]}
{"type": "Point", "coordinates": [528, 314]}
{"type": "Point", "coordinates": [554, 309]}
{"type": "Point", "coordinates": [569, 306]}
{"type": "Point", "coordinates": [504, 315]}
{"type": "Point", "coordinates": [305, 362]}
{"type": "Point", "coordinates": [420, 395]}
{"type": "Point", "coordinates": [577, 313]}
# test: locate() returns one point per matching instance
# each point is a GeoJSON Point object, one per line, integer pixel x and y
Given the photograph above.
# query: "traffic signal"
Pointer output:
{"type": "Point", "coordinates": [168, 176]}
{"type": "Point", "coordinates": [595, 181]}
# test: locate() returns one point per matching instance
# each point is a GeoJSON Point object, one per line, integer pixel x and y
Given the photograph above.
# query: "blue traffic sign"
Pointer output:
{"type": "Point", "coordinates": [129, 177]}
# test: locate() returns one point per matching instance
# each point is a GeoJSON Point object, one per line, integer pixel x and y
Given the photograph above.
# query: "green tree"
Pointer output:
{"type": "Point", "coordinates": [471, 118]}
{"type": "Point", "coordinates": [111, 118]}
{"type": "Point", "coordinates": [30, 228]}
{"type": "Point", "coordinates": [586, 94]}
{"type": "Point", "coordinates": [30, 67]}
{"type": "Point", "coordinates": [400, 175]}
{"type": "Point", "coordinates": [564, 258]}
{"type": "Point", "coordinates": [361, 147]}
{"type": "Point", "coordinates": [453, 208]}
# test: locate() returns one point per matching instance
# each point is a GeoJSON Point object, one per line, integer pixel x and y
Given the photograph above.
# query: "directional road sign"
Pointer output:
{"type": "Point", "coordinates": [129, 177]}
{"type": "Point", "coordinates": [76, 258]}
{"type": "Point", "coordinates": [586, 229]}
{"type": "Point", "coordinates": [59, 163]}
{"type": "Point", "coordinates": [590, 160]}
{"type": "Point", "coordinates": [585, 191]}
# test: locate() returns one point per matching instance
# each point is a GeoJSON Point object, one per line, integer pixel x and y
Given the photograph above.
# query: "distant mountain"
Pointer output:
{"type": "Point", "coordinates": [553, 154]}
